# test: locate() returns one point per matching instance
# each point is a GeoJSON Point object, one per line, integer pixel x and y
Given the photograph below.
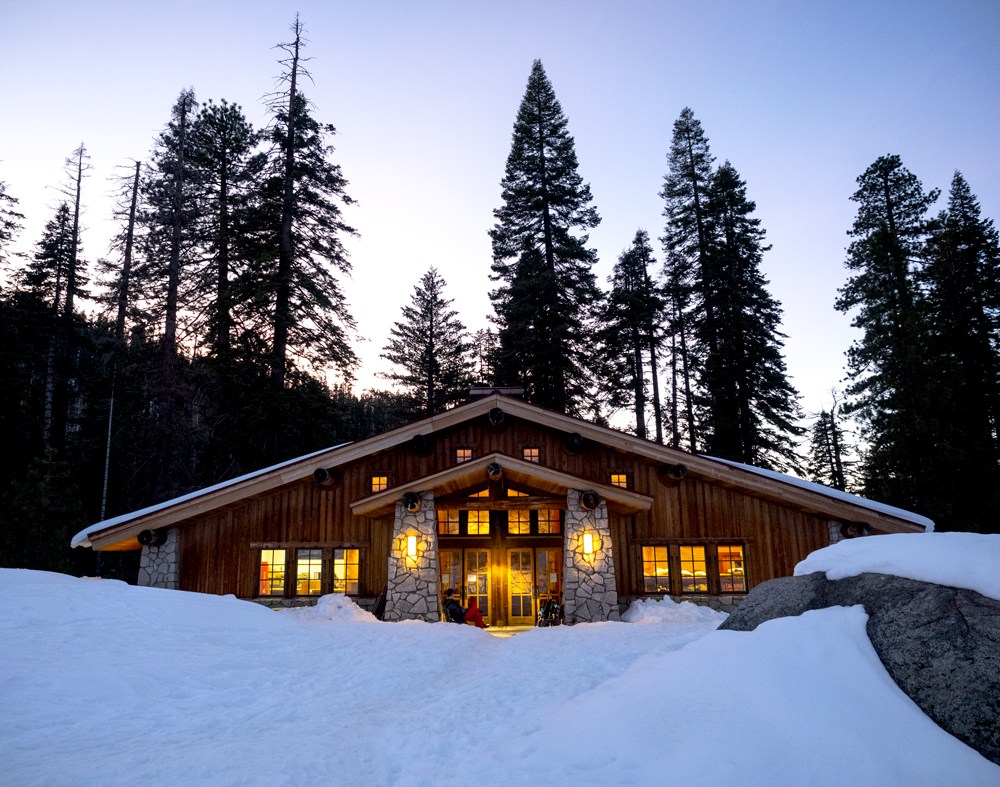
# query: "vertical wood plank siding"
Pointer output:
{"type": "Point", "coordinates": [217, 556]}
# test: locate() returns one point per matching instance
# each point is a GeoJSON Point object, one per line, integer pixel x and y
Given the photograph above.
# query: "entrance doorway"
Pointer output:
{"type": "Point", "coordinates": [509, 594]}
{"type": "Point", "coordinates": [509, 559]}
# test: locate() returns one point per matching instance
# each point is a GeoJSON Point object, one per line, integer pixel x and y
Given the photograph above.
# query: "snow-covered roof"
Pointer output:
{"type": "Point", "coordinates": [82, 539]}
{"type": "Point", "coordinates": [836, 494]}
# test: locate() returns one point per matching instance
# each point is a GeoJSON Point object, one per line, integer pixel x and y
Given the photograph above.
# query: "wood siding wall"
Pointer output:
{"type": "Point", "coordinates": [219, 550]}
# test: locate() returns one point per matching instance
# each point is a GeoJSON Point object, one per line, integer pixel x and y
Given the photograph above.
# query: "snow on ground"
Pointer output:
{"type": "Point", "coordinates": [103, 683]}
{"type": "Point", "coordinates": [960, 560]}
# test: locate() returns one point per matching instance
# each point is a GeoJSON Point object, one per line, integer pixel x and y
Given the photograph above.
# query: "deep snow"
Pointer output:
{"type": "Point", "coordinates": [103, 683]}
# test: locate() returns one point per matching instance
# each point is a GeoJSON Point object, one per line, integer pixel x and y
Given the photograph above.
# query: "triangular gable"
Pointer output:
{"type": "Point", "coordinates": [516, 471]}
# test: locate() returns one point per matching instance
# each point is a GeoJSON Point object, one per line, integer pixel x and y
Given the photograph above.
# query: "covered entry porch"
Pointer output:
{"type": "Point", "coordinates": [510, 533]}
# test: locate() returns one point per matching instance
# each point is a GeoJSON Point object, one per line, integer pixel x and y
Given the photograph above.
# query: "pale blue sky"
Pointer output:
{"type": "Point", "coordinates": [800, 96]}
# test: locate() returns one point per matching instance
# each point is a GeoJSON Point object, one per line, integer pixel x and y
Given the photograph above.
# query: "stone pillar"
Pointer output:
{"type": "Point", "coordinates": [590, 592]}
{"type": "Point", "coordinates": [833, 526]}
{"type": "Point", "coordinates": [414, 586]}
{"type": "Point", "coordinates": [159, 567]}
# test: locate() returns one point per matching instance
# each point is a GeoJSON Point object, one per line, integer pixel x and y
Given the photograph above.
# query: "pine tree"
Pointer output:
{"type": "Point", "coordinates": [828, 451]}
{"type": "Point", "coordinates": [171, 209]}
{"type": "Point", "coordinates": [547, 292]}
{"type": "Point", "coordinates": [685, 246]}
{"type": "Point", "coordinates": [305, 191]}
{"type": "Point", "coordinates": [629, 336]}
{"type": "Point", "coordinates": [891, 367]}
{"type": "Point", "coordinates": [10, 221]}
{"type": "Point", "coordinates": [223, 155]}
{"type": "Point", "coordinates": [962, 276]}
{"type": "Point", "coordinates": [752, 408]}
{"type": "Point", "coordinates": [431, 349]}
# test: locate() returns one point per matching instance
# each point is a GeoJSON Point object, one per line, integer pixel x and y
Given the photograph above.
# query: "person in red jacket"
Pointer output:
{"type": "Point", "coordinates": [473, 615]}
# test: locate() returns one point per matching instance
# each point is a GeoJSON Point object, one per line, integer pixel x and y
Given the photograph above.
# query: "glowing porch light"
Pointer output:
{"type": "Point", "coordinates": [411, 546]}
{"type": "Point", "coordinates": [588, 543]}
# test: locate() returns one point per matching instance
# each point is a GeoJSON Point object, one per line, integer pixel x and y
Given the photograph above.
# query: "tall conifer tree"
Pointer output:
{"type": "Point", "coordinates": [431, 349]}
{"type": "Point", "coordinates": [630, 334]}
{"type": "Point", "coordinates": [685, 246]}
{"type": "Point", "coordinates": [752, 408]}
{"type": "Point", "coordinates": [305, 191]}
{"type": "Point", "coordinates": [547, 292]}
{"type": "Point", "coordinates": [962, 277]}
{"type": "Point", "coordinates": [891, 366]}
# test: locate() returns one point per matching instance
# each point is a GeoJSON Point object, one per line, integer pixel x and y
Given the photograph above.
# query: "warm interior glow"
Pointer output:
{"type": "Point", "coordinates": [588, 543]}
{"type": "Point", "coordinates": [411, 546]}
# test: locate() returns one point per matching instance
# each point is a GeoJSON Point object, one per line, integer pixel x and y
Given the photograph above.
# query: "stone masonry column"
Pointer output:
{"type": "Point", "coordinates": [159, 566]}
{"type": "Point", "coordinates": [590, 592]}
{"type": "Point", "coordinates": [414, 587]}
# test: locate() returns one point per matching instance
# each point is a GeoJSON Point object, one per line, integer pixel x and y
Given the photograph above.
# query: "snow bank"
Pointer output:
{"type": "Point", "coordinates": [960, 560]}
{"type": "Point", "coordinates": [666, 610]}
{"type": "Point", "coordinates": [119, 685]}
{"type": "Point", "coordinates": [334, 607]}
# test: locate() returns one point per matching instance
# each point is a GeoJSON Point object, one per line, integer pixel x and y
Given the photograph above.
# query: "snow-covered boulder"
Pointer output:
{"type": "Point", "coordinates": [940, 644]}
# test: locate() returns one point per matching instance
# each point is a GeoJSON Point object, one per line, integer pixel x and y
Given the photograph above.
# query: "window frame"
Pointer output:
{"type": "Point", "coordinates": [375, 486]}
{"type": "Point", "coordinates": [535, 457]}
{"type": "Point", "coordinates": [463, 454]}
{"type": "Point", "coordinates": [713, 566]}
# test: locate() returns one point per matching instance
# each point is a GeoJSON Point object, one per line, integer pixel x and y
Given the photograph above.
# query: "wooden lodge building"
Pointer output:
{"type": "Point", "coordinates": [503, 501]}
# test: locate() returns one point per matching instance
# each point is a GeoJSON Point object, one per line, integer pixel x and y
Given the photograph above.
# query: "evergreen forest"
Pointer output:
{"type": "Point", "coordinates": [201, 346]}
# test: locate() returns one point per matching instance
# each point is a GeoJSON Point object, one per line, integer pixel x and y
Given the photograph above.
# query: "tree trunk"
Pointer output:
{"type": "Point", "coordinates": [283, 294]}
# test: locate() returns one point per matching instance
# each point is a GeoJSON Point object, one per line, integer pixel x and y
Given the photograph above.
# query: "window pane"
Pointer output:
{"type": "Point", "coordinates": [619, 479]}
{"type": "Point", "coordinates": [732, 575]}
{"type": "Point", "coordinates": [532, 454]}
{"type": "Point", "coordinates": [272, 572]}
{"type": "Point", "coordinates": [462, 455]}
{"type": "Point", "coordinates": [655, 570]}
{"type": "Point", "coordinates": [694, 576]}
{"type": "Point", "coordinates": [519, 523]}
{"type": "Point", "coordinates": [308, 572]}
{"type": "Point", "coordinates": [346, 564]}
{"type": "Point", "coordinates": [479, 523]}
{"type": "Point", "coordinates": [380, 483]}
{"type": "Point", "coordinates": [548, 522]}
{"type": "Point", "coordinates": [447, 523]}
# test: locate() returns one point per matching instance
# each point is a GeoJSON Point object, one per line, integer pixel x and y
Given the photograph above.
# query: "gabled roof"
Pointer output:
{"type": "Point", "coordinates": [775, 486]}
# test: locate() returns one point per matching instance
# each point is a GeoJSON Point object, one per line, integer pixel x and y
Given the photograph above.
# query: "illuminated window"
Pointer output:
{"type": "Point", "coordinates": [532, 454]}
{"type": "Point", "coordinates": [479, 523]}
{"type": "Point", "coordinates": [619, 479]}
{"type": "Point", "coordinates": [346, 565]}
{"type": "Point", "coordinates": [694, 576]}
{"type": "Point", "coordinates": [447, 523]}
{"type": "Point", "coordinates": [308, 572]}
{"type": "Point", "coordinates": [655, 570]}
{"type": "Point", "coordinates": [380, 483]}
{"type": "Point", "coordinates": [548, 522]}
{"type": "Point", "coordinates": [515, 493]}
{"type": "Point", "coordinates": [519, 523]}
{"type": "Point", "coordinates": [272, 572]}
{"type": "Point", "coordinates": [732, 575]}
{"type": "Point", "coordinates": [462, 455]}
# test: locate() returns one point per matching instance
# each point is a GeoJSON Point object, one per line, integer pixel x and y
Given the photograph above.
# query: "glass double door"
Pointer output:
{"type": "Point", "coordinates": [508, 583]}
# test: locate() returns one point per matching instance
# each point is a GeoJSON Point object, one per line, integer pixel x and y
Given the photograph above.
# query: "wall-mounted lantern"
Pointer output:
{"type": "Point", "coordinates": [588, 543]}
{"type": "Point", "coordinates": [494, 471]}
{"type": "Point", "coordinates": [589, 500]}
{"type": "Point", "coordinates": [411, 547]}
{"type": "Point", "coordinates": [496, 416]}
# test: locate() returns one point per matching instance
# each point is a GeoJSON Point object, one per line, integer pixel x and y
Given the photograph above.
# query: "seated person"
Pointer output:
{"type": "Point", "coordinates": [474, 615]}
{"type": "Point", "coordinates": [453, 611]}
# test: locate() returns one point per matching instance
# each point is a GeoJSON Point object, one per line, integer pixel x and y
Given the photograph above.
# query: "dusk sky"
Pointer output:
{"type": "Point", "coordinates": [800, 96]}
